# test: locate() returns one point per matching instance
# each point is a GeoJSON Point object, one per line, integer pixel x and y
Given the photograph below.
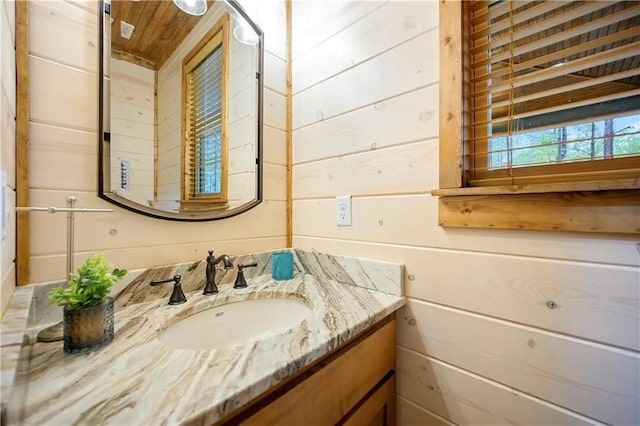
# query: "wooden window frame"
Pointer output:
{"type": "Point", "coordinates": [221, 31]}
{"type": "Point", "coordinates": [599, 205]}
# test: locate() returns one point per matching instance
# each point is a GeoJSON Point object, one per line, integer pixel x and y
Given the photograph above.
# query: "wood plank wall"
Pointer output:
{"type": "Point", "coordinates": [132, 90]}
{"type": "Point", "coordinates": [516, 327]}
{"type": "Point", "coordinates": [8, 145]}
{"type": "Point", "coordinates": [63, 88]}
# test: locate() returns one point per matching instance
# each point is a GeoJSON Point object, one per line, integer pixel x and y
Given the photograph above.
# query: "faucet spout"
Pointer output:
{"type": "Point", "coordinates": [226, 260]}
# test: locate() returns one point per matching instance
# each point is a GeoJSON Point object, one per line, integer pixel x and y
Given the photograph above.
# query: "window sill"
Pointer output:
{"type": "Point", "coordinates": [202, 205]}
{"type": "Point", "coordinates": [550, 207]}
{"type": "Point", "coordinates": [541, 188]}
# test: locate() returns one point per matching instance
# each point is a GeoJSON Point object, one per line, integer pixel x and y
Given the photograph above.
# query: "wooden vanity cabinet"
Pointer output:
{"type": "Point", "coordinates": [353, 385]}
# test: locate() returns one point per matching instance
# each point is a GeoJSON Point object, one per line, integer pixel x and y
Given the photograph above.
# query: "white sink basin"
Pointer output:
{"type": "Point", "coordinates": [235, 323]}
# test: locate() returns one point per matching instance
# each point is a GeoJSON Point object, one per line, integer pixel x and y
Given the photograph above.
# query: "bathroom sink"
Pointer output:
{"type": "Point", "coordinates": [235, 323]}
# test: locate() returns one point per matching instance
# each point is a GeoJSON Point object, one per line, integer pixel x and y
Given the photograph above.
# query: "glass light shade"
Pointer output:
{"type": "Point", "coordinates": [245, 34]}
{"type": "Point", "coordinates": [192, 7]}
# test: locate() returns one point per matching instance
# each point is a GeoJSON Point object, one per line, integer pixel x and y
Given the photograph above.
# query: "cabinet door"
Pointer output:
{"type": "Point", "coordinates": [330, 393]}
{"type": "Point", "coordinates": [379, 409]}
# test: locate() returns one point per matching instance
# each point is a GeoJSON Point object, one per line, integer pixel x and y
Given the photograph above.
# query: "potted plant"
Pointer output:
{"type": "Point", "coordinates": [88, 308]}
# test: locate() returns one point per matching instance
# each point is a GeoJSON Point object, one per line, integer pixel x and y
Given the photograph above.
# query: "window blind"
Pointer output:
{"type": "Point", "coordinates": [554, 88]}
{"type": "Point", "coordinates": [204, 103]}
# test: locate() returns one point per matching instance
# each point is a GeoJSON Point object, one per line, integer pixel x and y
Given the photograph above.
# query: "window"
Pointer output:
{"type": "Point", "coordinates": [548, 119]}
{"type": "Point", "coordinates": [204, 116]}
{"type": "Point", "coordinates": [553, 83]}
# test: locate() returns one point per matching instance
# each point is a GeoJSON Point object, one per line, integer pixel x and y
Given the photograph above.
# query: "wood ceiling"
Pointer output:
{"type": "Point", "coordinates": [160, 27]}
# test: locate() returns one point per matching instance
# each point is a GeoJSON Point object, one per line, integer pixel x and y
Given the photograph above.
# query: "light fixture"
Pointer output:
{"type": "Point", "coordinates": [244, 33]}
{"type": "Point", "coordinates": [192, 7]}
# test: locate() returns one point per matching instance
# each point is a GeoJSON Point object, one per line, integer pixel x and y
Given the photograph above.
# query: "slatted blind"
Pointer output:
{"type": "Point", "coordinates": [204, 97]}
{"type": "Point", "coordinates": [554, 87]}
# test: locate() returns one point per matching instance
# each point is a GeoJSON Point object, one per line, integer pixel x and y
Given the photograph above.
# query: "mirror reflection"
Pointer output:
{"type": "Point", "coordinates": [182, 125]}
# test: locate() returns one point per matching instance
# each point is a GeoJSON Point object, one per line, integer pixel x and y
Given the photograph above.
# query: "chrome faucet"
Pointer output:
{"type": "Point", "coordinates": [210, 287]}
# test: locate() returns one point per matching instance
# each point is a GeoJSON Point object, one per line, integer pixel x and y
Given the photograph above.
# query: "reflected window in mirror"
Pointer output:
{"type": "Point", "coordinates": [205, 145]}
{"type": "Point", "coordinates": [181, 110]}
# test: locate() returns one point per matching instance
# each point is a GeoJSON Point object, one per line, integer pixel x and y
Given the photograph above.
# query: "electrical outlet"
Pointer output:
{"type": "Point", "coordinates": [343, 210]}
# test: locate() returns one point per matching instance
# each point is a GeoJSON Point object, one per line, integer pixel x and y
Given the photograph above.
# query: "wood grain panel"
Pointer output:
{"type": "Point", "coordinates": [76, 90]}
{"type": "Point", "coordinates": [371, 35]}
{"type": "Point", "coordinates": [92, 6]}
{"type": "Point", "coordinates": [7, 287]}
{"type": "Point", "coordinates": [132, 84]}
{"type": "Point", "coordinates": [465, 398]}
{"type": "Point", "coordinates": [450, 48]}
{"type": "Point", "coordinates": [73, 151]}
{"type": "Point", "coordinates": [387, 171]}
{"type": "Point", "coordinates": [8, 135]}
{"type": "Point", "coordinates": [8, 250]}
{"type": "Point", "coordinates": [402, 119]}
{"type": "Point", "coordinates": [594, 380]}
{"type": "Point", "coordinates": [603, 211]}
{"type": "Point", "coordinates": [275, 182]}
{"type": "Point", "coordinates": [134, 230]}
{"type": "Point", "coordinates": [275, 146]}
{"type": "Point", "coordinates": [592, 301]}
{"type": "Point", "coordinates": [22, 141]}
{"type": "Point", "coordinates": [275, 109]}
{"type": "Point", "coordinates": [396, 71]}
{"type": "Point", "coordinates": [275, 73]}
{"type": "Point", "coordinates": [10, 13]}
{"type": "Point", "coordinates": [133, 114]}
{"type": "Point", "coordinates": [410, 414]}
{"type": "Point", "coordinates": [315, 22]}
{"type": "Point", "coordinates": [8, 63]}
{"type": "Point", "coordinates": [76, 26]}
{"type": "Point", "coordinates": [169, 129]}
{"type": "Point", "coordinates": [52, 267]}
{"type": "Point", "coordinates": [289, 130]}
{"type": "Point", "coordinates": [410, 220]}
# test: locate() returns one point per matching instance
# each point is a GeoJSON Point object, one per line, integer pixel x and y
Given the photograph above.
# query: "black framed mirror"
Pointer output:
{"type": "Point", "coordinates": [180, 108]}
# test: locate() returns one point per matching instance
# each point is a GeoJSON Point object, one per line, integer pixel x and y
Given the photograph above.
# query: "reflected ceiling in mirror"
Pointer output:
{"type": "Point", "coordinates": [181, 118]}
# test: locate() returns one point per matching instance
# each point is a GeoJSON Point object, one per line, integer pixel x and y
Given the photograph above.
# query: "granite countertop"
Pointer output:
{"type": "Point", "coordinates": [137, 380]}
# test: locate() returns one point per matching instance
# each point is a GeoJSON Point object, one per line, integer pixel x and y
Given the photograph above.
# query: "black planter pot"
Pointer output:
{"type": "Point", "coordinates": [88, 328]}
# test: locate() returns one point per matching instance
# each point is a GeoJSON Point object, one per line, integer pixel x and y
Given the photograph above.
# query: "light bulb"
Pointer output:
{"type": "Point", "coordinates": [244, 33]}
{"type": "Point", "coordinates": [192, 7]}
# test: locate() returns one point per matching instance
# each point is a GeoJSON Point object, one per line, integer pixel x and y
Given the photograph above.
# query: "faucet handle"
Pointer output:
{"type": "Point", "coordinates": [177, 296]}
{"type": "Point", "coordinates": [247, 265]}
{"type": "Point", "coordinates": [240, 281]}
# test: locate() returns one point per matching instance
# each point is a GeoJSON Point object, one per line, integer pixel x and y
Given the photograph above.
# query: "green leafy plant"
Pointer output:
{"type": "Point", "coordinates": [89, 286]}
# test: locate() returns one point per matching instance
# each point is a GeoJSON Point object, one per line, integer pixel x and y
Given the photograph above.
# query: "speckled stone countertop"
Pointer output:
{"type": "Point", "coordinates": [137, 380]}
